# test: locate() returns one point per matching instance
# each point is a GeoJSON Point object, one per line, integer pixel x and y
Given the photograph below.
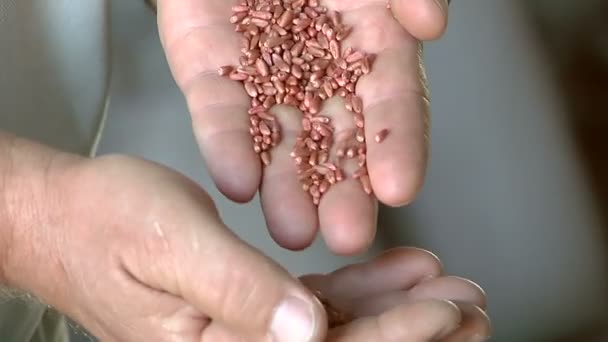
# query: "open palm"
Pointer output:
{"type": "Point", "coordinates": [198, 39]}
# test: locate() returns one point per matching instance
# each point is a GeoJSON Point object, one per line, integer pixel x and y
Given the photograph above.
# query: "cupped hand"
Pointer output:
{"type": "Point", "coordinates": [403, 296]}
{"type": "Point", "coordinates": [198, 39]}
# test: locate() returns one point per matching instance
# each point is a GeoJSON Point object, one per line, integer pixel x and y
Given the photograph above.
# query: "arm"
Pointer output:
{"type": "Point", "coordinates": [29, 201]}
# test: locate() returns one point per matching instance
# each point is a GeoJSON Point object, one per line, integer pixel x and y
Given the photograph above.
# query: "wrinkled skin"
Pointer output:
{"type": "Point", "coordinates": [137, 252]}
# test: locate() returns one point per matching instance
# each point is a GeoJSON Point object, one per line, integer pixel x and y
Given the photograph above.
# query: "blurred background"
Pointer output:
{"type": "Point", "coordinates": [517, 191]}
{"type": "Point", "coordinates": [517, 188]}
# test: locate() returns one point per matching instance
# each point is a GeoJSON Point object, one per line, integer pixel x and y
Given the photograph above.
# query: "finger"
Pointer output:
{"type": "Point", "coordinates": [395, 270]}
{"type": "Point", "coordinates": [347, 214]}
{"type": "Point", "coordinates": [474, 327]}
{"type": "Point", "coordinates": [421, 321]}
{"type": "Point", "coordinates": [447, 288]}
{"type": "Point", "coordinates": [452, 288]}
{"type": "Point", "coordinates": [424, 19]}
{"type": "Point", "coordinates": [396, 102]}
{"type": "Point", "coordinates": [290, 214]}
{"type": "Point", "coordinates": [221, 129]}
{"type": "Point", "coordinates": [394, 98]}
{"type": "Point", "coordinates": [252, 294]}
{"type": "Point", "coordinates": [201, 261]}
{"type": "Point", "coordinates": [198, 40]}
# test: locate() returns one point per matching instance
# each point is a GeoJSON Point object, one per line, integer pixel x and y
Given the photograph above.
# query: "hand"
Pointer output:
{"type": "Point", "coordinates": [136, 252]}
{"type": "Point", "coordinates": [403, 296]}
{"type": "Point", "coordinates": [198, 39]}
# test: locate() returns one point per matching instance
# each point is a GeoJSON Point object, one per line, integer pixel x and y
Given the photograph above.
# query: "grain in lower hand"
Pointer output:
{"type": "Point", "coordinates": [292, 54]}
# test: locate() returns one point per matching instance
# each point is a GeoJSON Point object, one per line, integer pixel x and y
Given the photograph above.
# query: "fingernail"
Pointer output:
{"type": "Point", "coordinates": [293, 321]}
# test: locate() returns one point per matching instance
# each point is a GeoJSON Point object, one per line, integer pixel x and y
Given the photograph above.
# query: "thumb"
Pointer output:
{"type": "Point", "coordinates": [423, 19]}
{"type": "Point", "coordinates": [242, 289]}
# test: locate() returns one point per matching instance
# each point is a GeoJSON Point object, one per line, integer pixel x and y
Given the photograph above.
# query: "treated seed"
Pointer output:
{"type": "Point", "coordinates": [313, 159]}
{"type": "Point", "coordinates": [381, 136]}
{"type": "Point", "coordinates": [225, 70]}
{"type": "Point", "coordinates": [360, 172]}
{"type": "Point", "coordinates": [343, 34]}
{"type": "Point", "coordinates": [366, 183]}
{"type": "Point", "coordinates": [248, 70]}
{"type": "Point", "coordinates": [275, 41]}
{"type": "Point", "coordinates": [362, 160]}
{"type": "Point", "coordinates": [355, 56]}
{"type": "Point", "coordinates": [310, 12]}
{"type": "Point", "coordinates": [357, 104]}
{"type": "Point", "coordinates": [279, 85]}
{"type": "Point", "coordinates": [266, 116]}
{"type": "Point", "coordinates": [340, 153]}
{"type": "Point", "coordinates": [240, 8]}
{"type": "Point", "coordinates": [269, 91]}
{"type": "Point", "coordinates": [359, 120]}
{"type": "Point", "coordinates": [307, 173]}
{"type": "Point", "coordinates": [306, 126]}
{"type": "Point", "coordinates": [361, 150]}
{"type": "Point", "coordinates": [322, 40]}
{"type": "Point", "coordinates": [251, 89]}
{"type": "Point", "coordinates": [315, 105]}
{"type": "Point", "coordinates": [360, 135]}
{"type": "Point", "coordinates": [280, 63]}
{"type": "Point", "coordinates": [324, 186]}
{"type": "Point", "coordinates": [264, 129]}
{"type": "Point", "coordinates": [269, 102]}
{"type": "Point", "coordinates": [238, 76]}
{"type": "Point", "coordinates": [339, 175]}
{"type": "Point", "coordinates": [314, 191]}
{"type": "Point", "coordinates": [326, 143]}
{"type": "Point", "coordinates": [323, 157]}
{"type": "Point", "coordinates": [296, 50]}
{"type": "Point", "coordinates": [277, 11]}
{"type": "Point", "coordinates": [260, 22]}
{"type": "Point", "coordinates": [328, 89]}
{"type": "Point", "coordinates": [321, 20]}
{"type": "Point", "coordinates": [315, 51]}
{"type": "Point", "coordinates": [262, 67]}
{"type": "Point", "coordinates": [285, 19]}
{"type": "Point", "coordinates": [334, 48]}
{"type": "Point", "coordinates": [238, 17]}
{"type": "Point", "coordinates": [265, 15]}
{"type": "Point", "coordinates": [256, 109]}
{"type": "Point", "coordinates": [265, 156]}
{"type": "Point", "coordinates": [350, 152]}
{"type": "Point", "coordinates": [262, 79]}
{"type": "Point", "coordinates": [296, 71]}
{"type": "Point", "coordinates": [348, 102]}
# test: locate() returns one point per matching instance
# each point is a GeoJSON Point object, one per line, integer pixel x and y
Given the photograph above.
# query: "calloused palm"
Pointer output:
{"type": "Point", "coordinates": [198, 39]}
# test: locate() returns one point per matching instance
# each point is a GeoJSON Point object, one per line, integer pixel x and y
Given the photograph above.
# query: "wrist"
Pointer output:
{"type": "Point", "coordinates": [32, 209]}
